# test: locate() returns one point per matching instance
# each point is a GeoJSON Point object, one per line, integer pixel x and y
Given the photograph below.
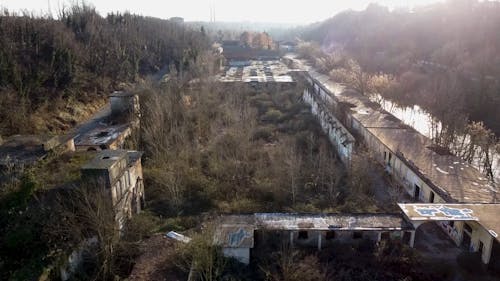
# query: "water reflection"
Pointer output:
{"type": "Point", "coordinates": [427, 125]}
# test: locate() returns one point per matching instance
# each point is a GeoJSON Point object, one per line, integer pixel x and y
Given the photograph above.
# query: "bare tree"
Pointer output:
{"type": "Point", "coordinates": [479, 148]}
{"type": "Point", "coordinates": [202, 257]}
{"type": "Point", "coordinates": [85, 212]}
{"type": "Point", "coordinates": [354, 76]}
{"type": "Point", "coordinates": [330, 172]}
{"type": "Point", "coordinates": [293, 162]}
{"type": "Point", "coordinates": [292, 266]}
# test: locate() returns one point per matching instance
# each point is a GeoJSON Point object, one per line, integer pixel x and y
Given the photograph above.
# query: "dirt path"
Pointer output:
{"type": "Point", "coordinates": [157, 264]}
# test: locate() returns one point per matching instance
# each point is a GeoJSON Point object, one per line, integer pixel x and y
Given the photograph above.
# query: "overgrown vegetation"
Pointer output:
{"type": "Point", "coordinates": [209, 149]}
{"type": "Point", "coordinates": [52, 69]}
{"type": "Point", "coordinates": [53, 73]}
{"type": "Point", "coordinates": [273, 259]}
{"type": "Point", "coordinates": [44, 219]}
{"type": "Point", "coordinates": [361, 261]}
{"type": "Point", "coordinates": [234, 149]}
{"type": "Point", "coordinates": [213, 148]}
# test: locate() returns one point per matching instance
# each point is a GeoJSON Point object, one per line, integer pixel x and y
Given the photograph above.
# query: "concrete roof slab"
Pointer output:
{"type": "Point", "coordinates": [487, 215]}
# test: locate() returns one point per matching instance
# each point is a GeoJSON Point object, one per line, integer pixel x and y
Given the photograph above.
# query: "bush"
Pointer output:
{"type": "Point", "coordinates": [262, 104]}
{"type": "Point", "coordinates": [263, 133]}
{"type": "Point", "coordinates": [141, 226]}
{"type": "Point", "coordinates": [272, 116]}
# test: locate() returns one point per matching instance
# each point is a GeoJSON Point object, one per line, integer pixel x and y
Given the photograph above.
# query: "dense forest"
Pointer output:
{"type": "Point", "coordinates": [51, 69]}
{"type": "Point", "coordinates": [443, 58]}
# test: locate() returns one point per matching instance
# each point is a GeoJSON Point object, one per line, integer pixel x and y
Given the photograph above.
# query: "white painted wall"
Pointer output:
{"type": "Point", "coordinates": [338, 135]}
{"type": "Point", "coordinates": [241, 254]}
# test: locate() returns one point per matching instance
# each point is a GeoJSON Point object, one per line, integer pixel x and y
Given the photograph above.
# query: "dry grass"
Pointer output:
{"type": "Point", "coordinates": [61, 170]}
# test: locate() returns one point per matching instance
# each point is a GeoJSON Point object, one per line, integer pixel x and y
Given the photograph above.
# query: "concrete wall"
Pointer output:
{"type": "Point", "coordinates": [403, 173]}
{"type": "Point", "coordinates": [241, 254]}
{"type": "Point", "coordinates": [120, 140]}
{"type": "Point", "coordinates": [396, 166]}
{"type": "Point", "coordinates": [339, 136]}
{"type": "Point", "coordinates": [339, 236]}
{"type": "Point", "coordinates": [344, 236]}
{"type": "Point", "coordinates": [478, 236]}
{"type": "Point", "coordinates": [409, 180]}
{"type": "Point", "coordinates": [128, 193]}
{"type": "Point", "coordinates": [124, 104]}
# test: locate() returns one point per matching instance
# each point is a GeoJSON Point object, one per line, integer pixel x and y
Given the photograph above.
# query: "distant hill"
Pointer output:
{"type": "Point", "coordinates": [457, 39]}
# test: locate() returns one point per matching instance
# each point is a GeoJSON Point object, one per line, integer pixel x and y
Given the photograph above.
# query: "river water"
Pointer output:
{"type": "Point", "coordinates": [427, 125]}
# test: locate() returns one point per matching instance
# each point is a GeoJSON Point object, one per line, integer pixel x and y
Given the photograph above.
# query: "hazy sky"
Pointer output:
{"type": "Point", "coordinates": [288, 11]}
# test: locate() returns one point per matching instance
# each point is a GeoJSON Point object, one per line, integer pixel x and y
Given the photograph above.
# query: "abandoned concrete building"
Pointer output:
{"type": "Point", "coordinates": [479, 224]}
{"type": "Point", "coordinates": [111, 131]}
{"type": "Point", "coordinates": [236, 233]}
{"type": "Point", "coordinates": [238, 55]}
{"type": "Point", "coordinates": [125, 106]}
{"type": "Point", "coordinates": [103, 137]}
{"type": "Point", "coordinates": [257, 71]}
{"type": "Point", "coordinates": [25, 150]}
{"type": "Point", "coordinates": [338, 135]}
{"type": "Point", "coordinates": [119, 172]}
{"type": "Point", "coordinates": [409, 157]}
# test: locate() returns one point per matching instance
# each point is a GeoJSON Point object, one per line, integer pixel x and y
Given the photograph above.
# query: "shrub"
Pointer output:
{"type": "Point", "coordinates": [263, 133]}
{"type": "Point", "coordinates": [272, 116]}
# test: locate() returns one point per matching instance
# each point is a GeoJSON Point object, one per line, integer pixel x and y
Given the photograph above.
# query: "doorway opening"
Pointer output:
{"type": "Point", "coordinates": [416, 193]}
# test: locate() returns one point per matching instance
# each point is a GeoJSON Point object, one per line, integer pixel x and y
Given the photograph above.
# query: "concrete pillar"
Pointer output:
{"type": "Point", "coordinates": [412, 239]}
{"type": "Point", "coordinates": [486, 256]}
{"type": "Point", "coordinates": [291, 238]}
{"type": "Point", "coordinates": [379, 236]}
{"type": "Point", "coordinates": [319, 241]}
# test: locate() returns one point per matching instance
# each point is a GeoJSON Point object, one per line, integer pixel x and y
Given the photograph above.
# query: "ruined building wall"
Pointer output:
{"type": "Point", "coordinates": [405, 174]}
{"type": "Point", "coordinates": [340, 138]}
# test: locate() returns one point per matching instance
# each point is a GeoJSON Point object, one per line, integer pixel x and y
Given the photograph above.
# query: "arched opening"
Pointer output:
{"type": "Point", "coordinates": [91, 149]}
{"type": "Point", "coordinates": [436, 239]}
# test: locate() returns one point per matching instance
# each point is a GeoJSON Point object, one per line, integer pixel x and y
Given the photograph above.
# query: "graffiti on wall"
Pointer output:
{"type": "Point", "coordinates": [451, 230]}
{"type": "Point", "coordinates": [444, 212]}
{"type": "Point", "coordinates": [236, 238]}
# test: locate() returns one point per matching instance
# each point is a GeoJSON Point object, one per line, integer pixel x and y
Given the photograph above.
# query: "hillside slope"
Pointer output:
{"type": "Point", "coordinates": [52, 69]}
{"type": "Point", "coordinates": [457, 41]}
